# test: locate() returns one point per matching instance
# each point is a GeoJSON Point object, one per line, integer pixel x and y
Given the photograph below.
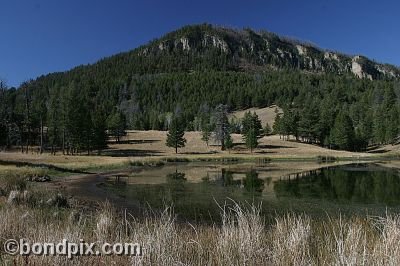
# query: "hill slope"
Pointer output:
{"type": "Point", "coordinates": [207, 47]}
{"type": "Point", "coordinates": [188, 72]}
{"type": "Point", "coordinates": [249, 50]}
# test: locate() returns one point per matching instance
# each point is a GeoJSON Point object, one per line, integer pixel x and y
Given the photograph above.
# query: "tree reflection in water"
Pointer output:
{"type": "Point", "coordinates": [355, 183]}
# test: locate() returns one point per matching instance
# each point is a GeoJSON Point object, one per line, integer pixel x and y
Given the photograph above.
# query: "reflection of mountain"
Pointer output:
{"type": "Point", "coordinates": [355, 184]}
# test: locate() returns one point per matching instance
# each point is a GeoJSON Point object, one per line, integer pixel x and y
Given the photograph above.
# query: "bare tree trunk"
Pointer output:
{"type": "Point", "coordinates": [41, 135]}
{"type": "Point", "coordinates": [63, 142]}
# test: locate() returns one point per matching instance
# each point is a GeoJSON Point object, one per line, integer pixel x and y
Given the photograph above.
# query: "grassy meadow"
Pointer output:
{"type": "Point", "coordinates": [242, 235]}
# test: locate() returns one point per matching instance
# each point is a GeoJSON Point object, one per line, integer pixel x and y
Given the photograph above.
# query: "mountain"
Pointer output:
{"type": "Point", "coordinates": [206, 47]}
{"type": "Point", "coordinates": [188, 72]}
{"type": "Point", "coordinates": [250, 50]}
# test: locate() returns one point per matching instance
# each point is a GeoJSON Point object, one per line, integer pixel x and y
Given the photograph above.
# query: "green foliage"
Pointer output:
{"type": "Point", "coordinates": [252, 183]}
{"type": "Point", "coordinates": [220, 119]}
{"type": "Point", "coordinates": [175, 135]}
{"type": "Point", "coordinates": [267, 130]}
{"type": "Point", "coordinates": [206, 133]}
{"type": "Point", "coordinates": [251, 130]}
{"type": "Point", "coordinates": [342, 135]}
{"type": "Point", "coordinates": [116, 124]}
{"type": "Point", "coordinates": [148, 85]}
{"type": "Point", "coordinates": [228, 142]}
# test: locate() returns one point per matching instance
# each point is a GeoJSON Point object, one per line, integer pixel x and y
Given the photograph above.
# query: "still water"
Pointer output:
{"type": "Point", "coordinates": [198, 190]}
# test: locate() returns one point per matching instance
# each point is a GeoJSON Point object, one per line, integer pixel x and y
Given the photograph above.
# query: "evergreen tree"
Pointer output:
{"type": "Point", "coordinates": [221, 124]}
{"type": "Point", "coordinates": [392, 125]}
{"type": "Point", "coordinates": [251, 139]}
{"type": "Point", "coordinates": [99, 135]}
{"type": "Point", "coordinates": [308, 126]}
{"type": "Point", "coordinates": [53, 119]}
{"type": "Point", "coordinates": [343, 132]}
{"type": "Point", "coordinates": [79, 122]}
{"type": "Point", "coordinates": [278, 127]}
{"type": "Point", "coordinates": [267, 130]}
{"type": "Point", "coordinates": [206, 133]}
{"type": "Point", "coordinates": [3, 135]}
{"type": "Point", "coordinates": [228, 142]}
{"type": "Point", "coordinates": [379, 127]}
{"type": "Point", "coordinates": [290, 123]}
{"type": "Point", "coordinates": [116, 125]}
{"type": "Point", "coordinates": [326, 120]}
{"type": "Point", "coordinates": [251, 130]}
{"type": "Point", "coordinates": [3, 114]}
{"type": "Point", "coordinates": [175, 135]}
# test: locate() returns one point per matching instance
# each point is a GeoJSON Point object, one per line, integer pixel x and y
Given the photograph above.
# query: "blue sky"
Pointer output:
{"type": "Point", "coordinates": [42, 36]}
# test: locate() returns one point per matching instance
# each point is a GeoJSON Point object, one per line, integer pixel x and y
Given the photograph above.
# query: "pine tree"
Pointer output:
{"type": "Point", "coordinates": [79, 122]}
{"type": "Point", "coordinates": [221, 124]}
{"type": "Point", "coordinates": [99, 139]}
{"type": "Point", "coordinates": [53, 119]}
{"type": "Point", "coordinates": [251, 130]}
{"type": "Point", "coordinates": [3, 134]}
{"type": "Point", "coordinates": [3, 114]}
{"type": "Point", "coordinates": [175, 135]}
{"type": "Point", "coordinates": [343, 132]}
{"type": "Point", "coordinates": [116, 125]}
{"type": "Point", "coordinates": [308, 126]}
{"type": "Point", "coordinates": [228, 142]}
{"type": "Point", "coordinates": [277, 127]}
{"type": "Point", "coordinates": [267, 130]}
{"type": "Point", "coordinates": [392, 126]}
{"type": "Point", "coordinates": [206, 133]}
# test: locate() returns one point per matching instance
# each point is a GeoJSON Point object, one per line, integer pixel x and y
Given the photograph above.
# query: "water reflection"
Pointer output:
{"type": "Point", "coordinates": [354, 183]}
{"type": "Point", "coordinates": [252, 183]}
{"type": "Point", "coordinates": [352, 187]}
{"type": "Point", "coordinates": [177, 176]}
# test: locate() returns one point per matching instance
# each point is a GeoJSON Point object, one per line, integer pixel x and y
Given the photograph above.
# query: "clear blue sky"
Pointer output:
{"type": "Point", "coordinates": [42, 36]}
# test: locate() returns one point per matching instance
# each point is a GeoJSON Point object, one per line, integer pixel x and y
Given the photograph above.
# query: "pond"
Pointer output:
{"type": "Point", "coordinates": [197, 191]}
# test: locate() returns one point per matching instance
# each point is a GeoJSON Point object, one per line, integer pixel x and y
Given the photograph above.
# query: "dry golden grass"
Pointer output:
{"type": "Point", "coordinates": [150, 145]}
{"type": "Point", "coordinates": [266, 115]}
{"type": "Point", "coordinates": [242, 238]}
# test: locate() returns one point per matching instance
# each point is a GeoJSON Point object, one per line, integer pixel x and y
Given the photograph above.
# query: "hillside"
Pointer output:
{"type": "Point", "coordinates": [207, 47]}
{"type": "Point", "coordinates": [266, 115]}
{"type": "Point", "coordinates": [188, 72]}
{"type": "Point", "coordinates": [251, 50]}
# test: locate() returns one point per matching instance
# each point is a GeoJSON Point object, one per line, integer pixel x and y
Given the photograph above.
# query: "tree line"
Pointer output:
{"type": "Point", "coordinates": [77, 113]}
{"type": "Point", "coordinates": [217, 127]}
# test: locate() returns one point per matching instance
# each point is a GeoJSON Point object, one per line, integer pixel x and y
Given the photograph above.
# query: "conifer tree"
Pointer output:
{"type": "Point", "coordinates": [206, 133]}
{"type": "Point", "coordinates": [228, 142]}
{"type": "Point", "coordinates": [251, 130]}
{"type": "Point", "coordinates": [343, 132]}
{"type": "Point", "coordinates": [221, 124]}
{"type": "Point", "coordinates": [175, 135]}
{"type": "Point", "coordinates": [116, 124]}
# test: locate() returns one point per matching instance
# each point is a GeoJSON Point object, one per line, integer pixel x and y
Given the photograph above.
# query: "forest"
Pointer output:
{"type": "Point", "coordinates": [341, 112]}
{"type": "Point", "coordinates": [147, 88]}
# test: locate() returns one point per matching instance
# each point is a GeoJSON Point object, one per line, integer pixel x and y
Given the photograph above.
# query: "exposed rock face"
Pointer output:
{"type": "Point", "coordinates": [262, 49]}
{"type": "Point", "coordinates": [301, 49]}
{"type": "Point", "coordinates": [215, 42]}
{"type": "Point", "coordinates": [331, 56]}
{"type": "Point", "coordinates": [183, 43]}
{"type": "Point", "coordinates": [357, 68]}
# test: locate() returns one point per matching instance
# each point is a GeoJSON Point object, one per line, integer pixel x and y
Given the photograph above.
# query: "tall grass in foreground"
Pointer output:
{"type": "Point", "coordinates": [242, 238]}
